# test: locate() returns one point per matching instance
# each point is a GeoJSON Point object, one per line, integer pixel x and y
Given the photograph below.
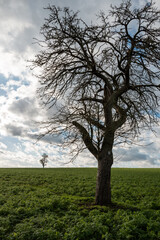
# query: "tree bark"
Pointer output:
{"type": "Point", "coordinates": [103, 188]}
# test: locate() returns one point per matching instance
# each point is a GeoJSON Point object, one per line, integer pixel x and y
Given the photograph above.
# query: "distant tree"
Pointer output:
{"type": "Point", "coordinates": [44, 160]}
{"type": "Point", "coordinates": [103, 79]}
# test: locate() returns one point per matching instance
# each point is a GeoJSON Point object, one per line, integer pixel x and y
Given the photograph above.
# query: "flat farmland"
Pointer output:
{"type": "Point", "coordinates": [38, 204]}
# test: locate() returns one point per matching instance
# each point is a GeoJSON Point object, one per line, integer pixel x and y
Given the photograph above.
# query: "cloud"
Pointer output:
{"type": "Point", "coordinates": [25, 107]}
{"type": "Point", "coordinates": [134, 154]}
{"type": "Point", "coordinates": [3, 146]}
{"type": "Point", "coordinates": [14, 130]}
{"type": "Point", "coordinates": [144, 154]}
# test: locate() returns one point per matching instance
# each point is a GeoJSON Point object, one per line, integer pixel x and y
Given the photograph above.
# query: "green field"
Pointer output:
{"type": "Point", "coordinates": [38, 204]}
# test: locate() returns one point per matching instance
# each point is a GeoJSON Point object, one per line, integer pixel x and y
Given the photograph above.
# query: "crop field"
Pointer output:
{"type": "Point", "coordinates": [58, 204]}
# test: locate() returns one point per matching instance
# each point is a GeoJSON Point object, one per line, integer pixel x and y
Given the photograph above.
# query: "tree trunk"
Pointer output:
{"type": "Point", "coordinates": [103, 188]}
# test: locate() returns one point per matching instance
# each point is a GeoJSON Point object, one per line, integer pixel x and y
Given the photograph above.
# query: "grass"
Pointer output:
{"type": "Point", "coordinates": [58, 204]}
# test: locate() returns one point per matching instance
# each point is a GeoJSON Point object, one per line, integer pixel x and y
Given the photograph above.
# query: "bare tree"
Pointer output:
{"type": "Point", "coordinates": [44, 160]}
{"type": "Point", "coordinates": [102, 78]}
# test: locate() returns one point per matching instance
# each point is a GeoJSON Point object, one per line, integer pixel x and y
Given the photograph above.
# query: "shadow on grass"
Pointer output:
{"type": "Point", "coordinates": [90, 205]}
{"type": "Point", "coordinates": [117, 206]}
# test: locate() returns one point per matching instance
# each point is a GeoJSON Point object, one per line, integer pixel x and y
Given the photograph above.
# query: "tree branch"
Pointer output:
{"type": "Point", "coordinates": [86, 138]}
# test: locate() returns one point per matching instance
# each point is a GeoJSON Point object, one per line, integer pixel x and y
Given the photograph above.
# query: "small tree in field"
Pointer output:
{"type": "Point", "coordinates": [103, 79]}
{"type": "Point", "coordinates": [44, 160]}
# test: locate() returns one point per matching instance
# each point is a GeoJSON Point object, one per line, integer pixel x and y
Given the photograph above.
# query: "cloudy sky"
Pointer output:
{"type": "Point", "coordinates": [19, 109]}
